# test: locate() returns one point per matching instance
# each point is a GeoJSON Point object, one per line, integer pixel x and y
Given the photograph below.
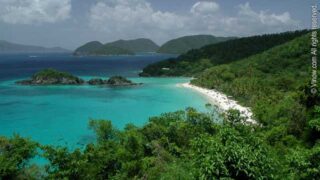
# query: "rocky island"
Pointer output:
{"type": "Point", "coordinates": [113, 81]}
{"type": "Point", "coordinates": [54, 77]}
{"type": "Point", "coordinates": [121, 81]}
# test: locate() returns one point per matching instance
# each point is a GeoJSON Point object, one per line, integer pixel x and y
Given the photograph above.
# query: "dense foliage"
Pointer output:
{"type": "Point", "coordinates": [136, 45]}
{"type": "Point", "coordinates": [52, 77]}
{"type": "Point", "coordinates": [274, 83]}
{"type": "Point", "coordinates": [186, 43]}
{"type": "Point", "coordinates": [14, 156]}
{"type": "Point", "coordinates": [52, 73]}
{"type": "Point", "coordinates": [195, 61]}
{"type": "Point", "coordinates": [88, 48]}
{"type": "Point", "coordinates": [181, 145]}
{"type": "Point", "coordinates": [111, 50]}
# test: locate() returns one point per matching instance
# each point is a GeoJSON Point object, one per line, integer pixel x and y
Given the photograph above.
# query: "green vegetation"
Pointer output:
{"type": "Point", "coordinates": [119, 81]}
{"type": "Point", "coordinates": [184, 44]}
{"type": "Point", "coordinates": [136, 45]}
{"type": "Point", "coordinates": [15, 154]}
{"type": "Point", "coordinates": [120, 47]}
{"type": "Point", "coordinates": [52, 73]}
{"type": "Point", "coordinates": [195, 61]}
{"type": "Point", "coordinates": [285, 144]}
{"type": "Point", "coordinates": [111, 50]}
{"type": "Point", "coordinates": [88, 48]}
{"type": "Point", "coordinates": [274, 83]}
{"type": "Point", "coordinates": [52, 76]}
{"type": "Point", "coordinates": [180, 145]}
{"type": "Point", "coordinates": [113, 82]}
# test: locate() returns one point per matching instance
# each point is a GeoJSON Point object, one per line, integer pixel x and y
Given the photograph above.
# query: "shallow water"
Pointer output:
{"type": "Point", "coordinates": [59, 115]}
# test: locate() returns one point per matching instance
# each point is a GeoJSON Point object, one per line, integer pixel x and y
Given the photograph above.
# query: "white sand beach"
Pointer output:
{"type": "Point", "coordinates": [222, 101]}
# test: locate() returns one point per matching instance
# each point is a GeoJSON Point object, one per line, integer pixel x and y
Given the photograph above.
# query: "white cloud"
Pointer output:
{"type": "Point", "coordinates": [34, 11]}
{"type": "Point", "coordinates": [265, 18]}
{"type": "Point", "coordinates": [204, 8]}
{"type": "Point", "coordinates": [249, 21]}
{"type": "Point", "coordinates": [132, 18]}
{"type": "Point", "coordinates": [137, 18]}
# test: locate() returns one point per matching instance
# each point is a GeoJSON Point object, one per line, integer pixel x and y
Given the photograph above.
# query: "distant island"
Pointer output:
{"type": "Point", "coordinates": [54, 77]}
{"type": "Point", "coordinates": [142, 45]}
{"type": "Point", "coordinates": [120, 47]}
{"type": "Point", "coordinates": [9, 47]}
{"type": "Point", "coordinates": [183, 44]}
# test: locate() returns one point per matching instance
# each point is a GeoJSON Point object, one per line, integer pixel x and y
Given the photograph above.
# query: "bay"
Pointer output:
{"type": "Point", "coordinates": [59, 115]}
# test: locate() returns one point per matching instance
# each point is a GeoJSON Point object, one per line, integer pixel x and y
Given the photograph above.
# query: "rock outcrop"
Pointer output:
{"type": "Point", "coordinates": [52, 77]}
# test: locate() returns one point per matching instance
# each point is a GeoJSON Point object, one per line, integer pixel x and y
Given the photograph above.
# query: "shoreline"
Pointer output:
{"type": "Point", "coordinates": [221, 100]}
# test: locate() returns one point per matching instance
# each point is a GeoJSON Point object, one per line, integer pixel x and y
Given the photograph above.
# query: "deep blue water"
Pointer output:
{"type": "Point", "coordinates": [59, 115]}
{"type": "Point", "coordinates": [23, 65]}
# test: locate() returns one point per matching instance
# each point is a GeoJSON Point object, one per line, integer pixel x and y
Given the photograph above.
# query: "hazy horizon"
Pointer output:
{"type": "Point", "coordinates": [71, 23]}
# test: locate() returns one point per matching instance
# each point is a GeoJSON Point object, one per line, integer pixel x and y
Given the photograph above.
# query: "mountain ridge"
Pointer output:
{"type": "Point", "coordinates": [119, 47]}
{"type": "Point", "coordinates": [143, 45]}
{"type": "Point", "coordinates": [183, 44]}
{"type": "Point", "coordinates": [10, 47]}
{"type": "Point", "coordinates": [197, 60]}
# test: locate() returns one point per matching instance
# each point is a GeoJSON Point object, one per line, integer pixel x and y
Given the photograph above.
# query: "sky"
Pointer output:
{"type": "Point", "coordinates": [71, 23]}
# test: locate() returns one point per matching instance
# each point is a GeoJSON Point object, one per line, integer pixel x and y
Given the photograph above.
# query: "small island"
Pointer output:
{"type": "Point", "coordinates": [121, 81]}
{"type": "Point", "coordinates": [113, 81]}
{"type": "Point", "coordinates": [54, 77]}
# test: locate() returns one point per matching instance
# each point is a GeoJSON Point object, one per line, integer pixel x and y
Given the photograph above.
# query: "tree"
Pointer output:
{"type": "Point", "coordinates": [15, 154]}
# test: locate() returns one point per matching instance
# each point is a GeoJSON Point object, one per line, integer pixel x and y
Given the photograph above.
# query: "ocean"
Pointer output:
{"type": "Point", "coordinates": [59, 115]}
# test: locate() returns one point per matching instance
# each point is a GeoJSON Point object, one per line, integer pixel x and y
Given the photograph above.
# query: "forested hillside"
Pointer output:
{"type": "Point", "coordinates": [111, 50]}
{"type": "Point", "coordinates": [196, 61]}
{"type": "Point", "coordinates": [186, 43]}
{"type": "Point", "coordinates": [274, 83]}
{"type": "Point", "coordinates": [120, 47]}
{"type": "Point", "coordinates": [87, 48]}
{"type": "Point", "coordinates": [136, 45]}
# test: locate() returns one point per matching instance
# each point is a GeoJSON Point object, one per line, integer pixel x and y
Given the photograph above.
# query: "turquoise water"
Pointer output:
{"type": "Point", "coordinates": [59, 115]}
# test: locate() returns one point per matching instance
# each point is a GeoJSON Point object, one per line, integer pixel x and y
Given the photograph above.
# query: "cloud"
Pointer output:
{"type": "Point", "coordinates": [132, 18]}
{"type": "Point", "coordinates": [264, 18]}
{"type": "Point", "coordinates": [137, 18]}
{"type": "Point", "coordinates": [34, 11]}
{"type": "Point", "coordinates": [249, 21]}
{"type": "Point", "coordinates": [204, 8]}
